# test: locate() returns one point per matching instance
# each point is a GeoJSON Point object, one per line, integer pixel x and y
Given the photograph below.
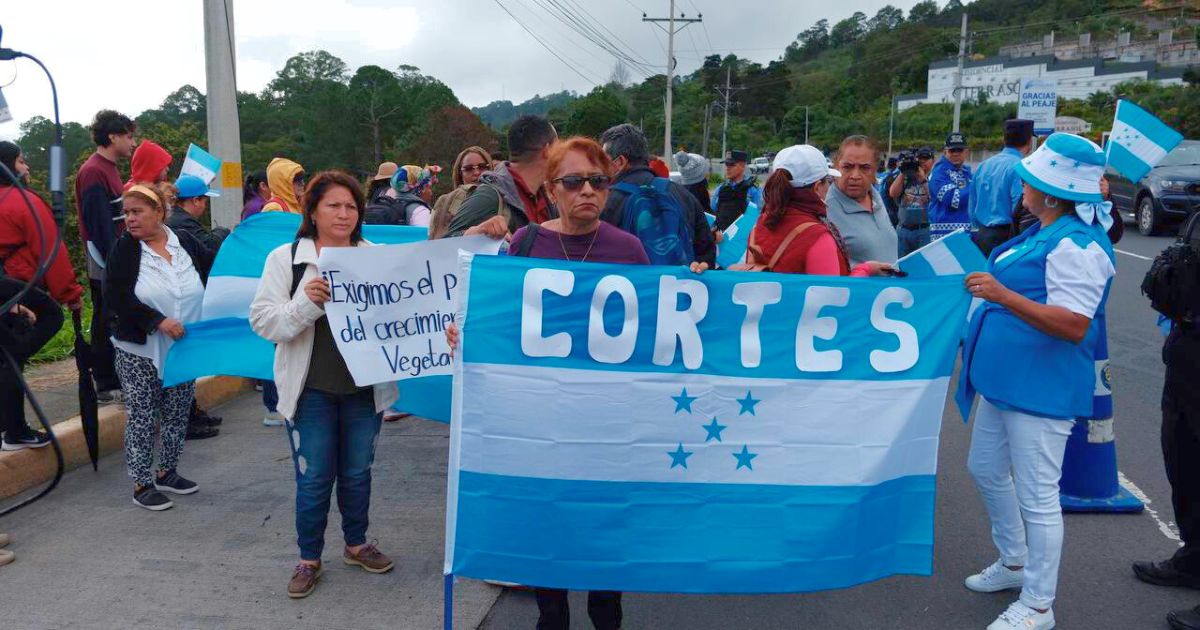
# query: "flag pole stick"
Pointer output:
{"type": "Point", "coordinates": [448, 602]}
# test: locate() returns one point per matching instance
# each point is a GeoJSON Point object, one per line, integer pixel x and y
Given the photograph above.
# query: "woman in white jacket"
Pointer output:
{"type": "Point", "coordinates": [332, 424]}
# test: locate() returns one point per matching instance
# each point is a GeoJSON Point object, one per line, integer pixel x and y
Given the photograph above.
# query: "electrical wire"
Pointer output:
{"type": "Point", "coordinates": [539, 40]}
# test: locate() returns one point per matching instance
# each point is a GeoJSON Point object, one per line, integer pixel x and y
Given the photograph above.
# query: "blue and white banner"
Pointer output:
{"type": "Point", "coordinates": [646, 429]}
{"type": "Point", "coordinates": [224, 343]}
{"type": "Point", "coordinates": [736, 238]}
{"type": "Point", "coordinates": [1138, 141]}
{"type": "Point", "coordinates": [200, 163]}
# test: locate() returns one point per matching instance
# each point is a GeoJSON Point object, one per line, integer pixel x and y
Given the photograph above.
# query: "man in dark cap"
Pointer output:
{"type": "Point", "coordinates": [996, 189]}
{"type": "Point", "coordinates": [739, 189]}
{"type": "Point", "coordinates": [949, 189]}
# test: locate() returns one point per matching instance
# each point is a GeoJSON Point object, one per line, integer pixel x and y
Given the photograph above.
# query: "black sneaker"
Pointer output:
{"type": "Point", "coordinates": [201, 432]}
{"type": "Point", "coordinates": [173, 483]}
{"type": "Point", "coordinates": [207, 420]}
{"type": "Point", "coordinates": [29, 439]}
{"type": "Point", "coordinates": [151, 499]}
{"type": "Point", "coordinates": [1165, 573]}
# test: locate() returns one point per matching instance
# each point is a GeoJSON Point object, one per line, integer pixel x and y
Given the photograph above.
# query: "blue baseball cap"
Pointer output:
{"type": "Point", "coordinates": [191, 187]}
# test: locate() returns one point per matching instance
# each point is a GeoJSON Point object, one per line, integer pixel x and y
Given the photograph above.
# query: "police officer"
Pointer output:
{"type": "Point", "coordinates": [739, 189]}
{"type": "Point", "coordinates": [1181, 454]}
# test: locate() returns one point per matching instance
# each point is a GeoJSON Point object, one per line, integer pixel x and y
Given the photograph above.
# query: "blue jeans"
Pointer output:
{"type": "Point", "coordinates": [332, 438]}
{"type": "Point", "coordinates": [911, 239]}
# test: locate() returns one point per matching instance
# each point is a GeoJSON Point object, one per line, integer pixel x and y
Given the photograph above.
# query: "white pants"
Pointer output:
{"type": "Point", "coordinates": [1016, 460]}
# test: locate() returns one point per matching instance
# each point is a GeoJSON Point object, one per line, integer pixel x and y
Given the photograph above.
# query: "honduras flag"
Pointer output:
{"type": "Point", "coordinates": [736, 238]}
{"type": "Point", "coordinates": [952, 255]}
{"type": "Point", "coordinates": [647, 429]}
{"type": "Point", "coordinates": [223, 342]}
{"type": "Point", "coordinates": [200, 163]}
{"type": "Point", "coordinates": [1138, 141]}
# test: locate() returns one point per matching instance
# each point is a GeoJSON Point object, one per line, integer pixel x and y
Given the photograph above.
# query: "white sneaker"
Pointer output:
{"type": "Point", "coordinates": [996, 578]}
{"type": "Point", "coordinates": [273, 419]}
{"type": "Point", "coordinates": [1021, 617]}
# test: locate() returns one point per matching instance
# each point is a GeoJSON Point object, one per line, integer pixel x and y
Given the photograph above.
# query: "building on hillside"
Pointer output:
{"type": "Point", "coordinates": [999, 78]}
{"type": "Point", "coordinates": [1081, 66]}
{"type": "Point", "coordinates": [1164, 49]}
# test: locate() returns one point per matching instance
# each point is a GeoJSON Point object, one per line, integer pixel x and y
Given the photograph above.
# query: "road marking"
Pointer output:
{"type": "Point", "coordinates": [1166, 528]}
{"type": "Point", "coordinates": [1121, 251]}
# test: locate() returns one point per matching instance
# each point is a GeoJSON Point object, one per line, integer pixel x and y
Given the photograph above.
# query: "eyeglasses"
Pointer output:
{"type": "Point", "coordinates": [478, 168]}
{"type": "Point", "coordinates": [575, 182]}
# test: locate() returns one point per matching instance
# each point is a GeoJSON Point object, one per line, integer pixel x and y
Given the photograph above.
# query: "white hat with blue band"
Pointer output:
{"type": "Point", "coordinates": [1066, 166]}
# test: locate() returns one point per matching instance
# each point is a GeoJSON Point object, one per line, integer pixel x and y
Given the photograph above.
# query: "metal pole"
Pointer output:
{"type": "Point", "coordinates": [224, 136]}
{"type": "Point", "coordinates": [962, 54]}
{"type": "Point", "coordinates": [891, 124]}
{"type": "Point", "coordinates": [806, 124]}
{"type": "Point", "coordinates": [670, 74]}
{"type": "Point", "coordinates": [725, 125]}
{"type": "Point", "coordinates": [707, 120]}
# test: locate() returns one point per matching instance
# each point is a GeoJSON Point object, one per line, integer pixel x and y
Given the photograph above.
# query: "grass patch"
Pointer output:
{"type": "Point", "coordinates": [62, 345]}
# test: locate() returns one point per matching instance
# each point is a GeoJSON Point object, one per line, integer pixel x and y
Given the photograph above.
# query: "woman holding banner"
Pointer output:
{"type": "Point", "coordinates": [332, 423]}
{"type": "Point", "coordinates": [1029, 353]}
{"type": "Point", "coordinates": [580, 174]}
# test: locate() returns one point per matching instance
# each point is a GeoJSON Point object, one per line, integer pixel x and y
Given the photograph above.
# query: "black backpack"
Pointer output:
{"type": "Point", "coordinates": [1173, 282]}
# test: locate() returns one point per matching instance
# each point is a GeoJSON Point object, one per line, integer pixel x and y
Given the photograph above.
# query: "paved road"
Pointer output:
{"type": "Point", "coordinates": [1096, 587]}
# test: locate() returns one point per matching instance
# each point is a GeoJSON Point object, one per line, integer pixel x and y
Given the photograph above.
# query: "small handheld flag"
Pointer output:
{"type": "Point", "coordinates": [1138, 141]}
{"type": "Point", "coordinates": [200, 163]}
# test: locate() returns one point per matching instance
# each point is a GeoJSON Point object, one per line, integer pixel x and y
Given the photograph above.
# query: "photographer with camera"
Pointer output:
{"type": "Point", "coordinates": [910, 191]}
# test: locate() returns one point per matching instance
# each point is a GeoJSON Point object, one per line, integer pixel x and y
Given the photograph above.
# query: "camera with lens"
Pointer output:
{"type": "Point", "coordinates": [908, 163]}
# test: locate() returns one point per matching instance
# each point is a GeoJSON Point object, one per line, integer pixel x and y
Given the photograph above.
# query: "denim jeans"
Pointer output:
{"type": "Point", "coordinates": [1016, 460]}
{"type": "Point", "coordinates": [911, 239]}
{"type": "Point", "coordinates": [332, 439]}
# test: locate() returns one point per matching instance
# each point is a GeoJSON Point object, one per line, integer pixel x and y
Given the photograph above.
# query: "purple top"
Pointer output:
{"type": "Point", "coordinates": [254, 206]}
{"type": "Point", "coordinates": [613, 245]}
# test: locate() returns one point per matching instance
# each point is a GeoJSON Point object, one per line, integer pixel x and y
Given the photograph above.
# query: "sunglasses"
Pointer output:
{"type": "Point", "coordinates": [956, 150]}
{"type": "Point", "coordinates": [575, 182]}
{"type": "Point", "coordinates": [478, 168]}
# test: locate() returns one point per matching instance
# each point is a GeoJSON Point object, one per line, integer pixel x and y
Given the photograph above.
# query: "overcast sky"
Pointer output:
{"type": "Point", "coordinates": [129, 54]}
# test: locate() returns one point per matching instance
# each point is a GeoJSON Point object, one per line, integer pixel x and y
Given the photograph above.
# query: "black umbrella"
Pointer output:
{"type": "Point", "coordinates": [89, 413]}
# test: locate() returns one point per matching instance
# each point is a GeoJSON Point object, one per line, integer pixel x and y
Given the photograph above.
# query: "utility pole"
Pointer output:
{"type": "Point", "coordinates": [224, 134]}
{"type": "Point", "coordinates": [707, 121]}
{"type": "Point", "coordinates": [958, 74]}
{"type": "Point", "coordinates": [891, 124]}
{"type": "Point", "coordinates": [671, 30]}
{"type": "Point", "coordinates": [806, 124]}
{"type": "Point", "coordinates": [725, 92]}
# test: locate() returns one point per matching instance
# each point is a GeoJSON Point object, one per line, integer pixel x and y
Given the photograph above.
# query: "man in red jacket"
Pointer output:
{"type": "Point", "coordinates": [101, 220]}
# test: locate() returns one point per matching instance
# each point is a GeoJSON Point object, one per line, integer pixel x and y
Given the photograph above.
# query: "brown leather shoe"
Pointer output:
{"type": "Point", "coordinates": [369, 558]}
{"type": "Point", "coordinates": [304, 580]}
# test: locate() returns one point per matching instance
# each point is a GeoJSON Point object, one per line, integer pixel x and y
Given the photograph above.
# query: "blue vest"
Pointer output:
{"type": "Point", "coordinates": [1016, 366]}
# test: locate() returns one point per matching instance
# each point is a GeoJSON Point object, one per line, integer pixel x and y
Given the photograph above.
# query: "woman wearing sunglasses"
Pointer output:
{"type": "Point", "coordinates": [580, 174]}
{"type": "Point", "coordinates": [468, 166]}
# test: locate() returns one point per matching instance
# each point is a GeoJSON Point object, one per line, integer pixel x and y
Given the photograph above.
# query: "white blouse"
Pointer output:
{"type": "Point", "coordinates": [173, 289]}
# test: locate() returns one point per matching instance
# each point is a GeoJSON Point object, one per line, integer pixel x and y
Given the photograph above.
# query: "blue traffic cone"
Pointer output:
{"type": "Point", "coordinates": [1089, 475]}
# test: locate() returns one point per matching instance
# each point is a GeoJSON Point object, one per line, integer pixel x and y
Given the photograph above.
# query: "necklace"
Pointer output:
{"type": "Point", "coordinates": [585, 254]}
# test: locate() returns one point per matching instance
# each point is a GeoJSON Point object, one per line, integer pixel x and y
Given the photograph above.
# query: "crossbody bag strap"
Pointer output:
{"type": "Point", "coordinates": [787, 240]}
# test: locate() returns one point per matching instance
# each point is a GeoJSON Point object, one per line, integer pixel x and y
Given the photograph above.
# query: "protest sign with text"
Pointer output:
{"type": "Point", "coordinates": [389, 305]}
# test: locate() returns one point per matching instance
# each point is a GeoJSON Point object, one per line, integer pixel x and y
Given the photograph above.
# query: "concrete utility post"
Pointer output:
{"type": "Point", "coordinates": [725, 92]}
{"type": "Point", "coordinates": [958, 74]}
{"type": "Point", "coordinates": [671, 30]}
{"type": "Point", "coordinates": [224, 132]}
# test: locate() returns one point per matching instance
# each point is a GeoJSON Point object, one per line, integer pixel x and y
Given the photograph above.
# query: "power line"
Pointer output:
{"type": "Point", "coordinates": [584, 28]}
{"type": "Point", "coordinates": [544, 44]}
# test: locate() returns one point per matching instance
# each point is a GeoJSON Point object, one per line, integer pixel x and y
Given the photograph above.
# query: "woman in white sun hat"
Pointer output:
{"type": "Point", "coordinates": [1029, 354]}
